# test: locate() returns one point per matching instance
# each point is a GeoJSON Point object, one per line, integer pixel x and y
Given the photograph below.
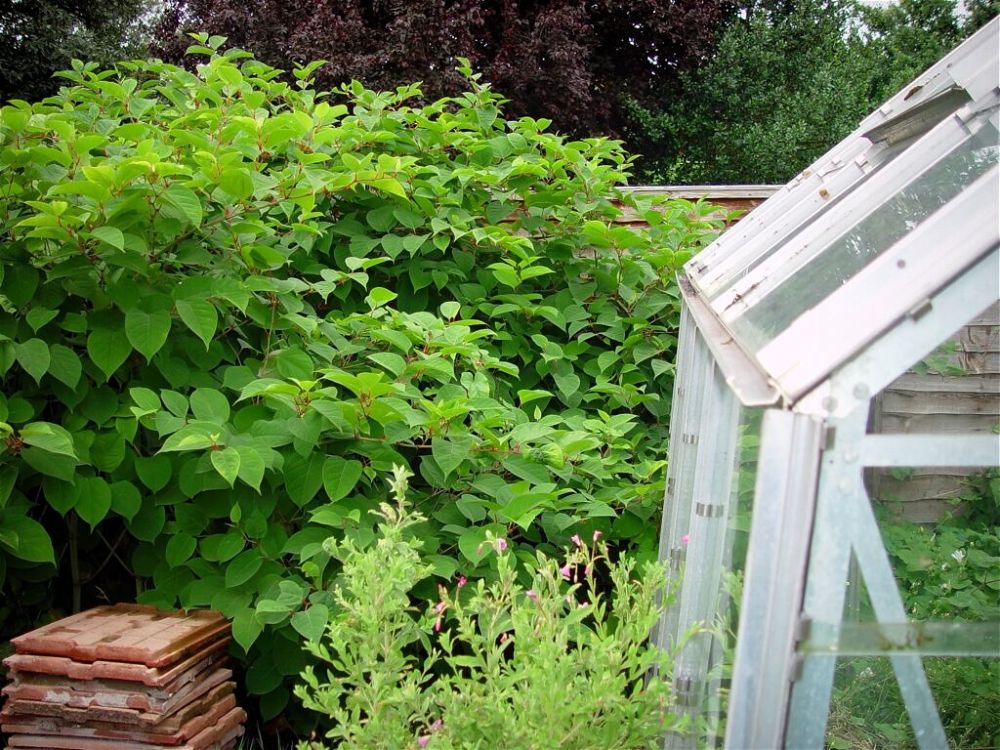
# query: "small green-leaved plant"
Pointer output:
{"type": "Point", "coordinates": [559, 663]}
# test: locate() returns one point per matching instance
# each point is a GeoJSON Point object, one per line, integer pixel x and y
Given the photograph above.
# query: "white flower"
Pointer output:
{"type": "Point", "coordinates": [959, 556]}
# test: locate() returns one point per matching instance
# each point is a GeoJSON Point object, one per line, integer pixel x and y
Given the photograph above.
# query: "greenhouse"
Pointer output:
{"type": "Point", "coordinates": [795, 323]}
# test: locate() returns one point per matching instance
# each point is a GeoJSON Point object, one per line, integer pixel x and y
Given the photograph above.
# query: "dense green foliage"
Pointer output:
{"type": "Point", "coordinates": [949, 571]}
{"type": "Point", "coordinates": [39, 37]}
{"type": "Point", "coordinates": [787, 82]}
{"type": "Point", "coordinates": [231, 303]}
{"type": "Point", "coordinates": [553, 663]}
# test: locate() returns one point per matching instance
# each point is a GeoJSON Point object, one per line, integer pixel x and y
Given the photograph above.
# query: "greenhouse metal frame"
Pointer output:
{"type": "Point", "coordinates": [793, 321]}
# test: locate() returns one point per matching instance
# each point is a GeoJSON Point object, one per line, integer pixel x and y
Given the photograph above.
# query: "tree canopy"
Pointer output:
{"type": "Point", "coordinates": [565, 60]}
{"type": "Point", "coordinates": [39, 37]}
{"type": "Point", "coordinates": [789, 79]}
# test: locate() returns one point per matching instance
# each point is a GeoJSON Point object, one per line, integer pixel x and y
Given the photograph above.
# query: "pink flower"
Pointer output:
{"type": "Point", "coordinates": [437, 625]}
{"type": "Point", "coordinates": [503, 638]}
{"type": "Point", "coordinates": [440, 607]}
{"type": "Point", "coordinates": [597, 535]}
{"type": "Point", "coordinates": [532, 594]}
{"type": "Point", "coordinates": [567, 572]}
{"type": "Point", "coordinates": [586, 570]}
{"type": "Point", "coordinates": [423, 740]}
{"type": "Point", "coordinates": [501, 544]}
{"type": "Point", "coordinates": [685, 539]}
{"type": "Point", "coordinates": [576, 540]}
{"type": "Point", "coordinates": [462, 580]}
{"type": "Point", "coordinates": [436, 726]}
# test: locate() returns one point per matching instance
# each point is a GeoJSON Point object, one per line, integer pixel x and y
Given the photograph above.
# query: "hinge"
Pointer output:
{"type": "Point", "coordinates": [803, 629]}
{"type": "Point", "coordinates": [829, 437]}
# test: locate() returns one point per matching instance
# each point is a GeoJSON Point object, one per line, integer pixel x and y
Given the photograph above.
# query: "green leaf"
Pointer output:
{"type": "Point", "coordinates": [65, 365]}
{"type": "Point", "coordinates": [147, 331]}
{"type": "Point", "coordinates": [8, 476]}
{"type": "Point", "coordinates": [340, 476]}
{"type": "Point", "coordinates": [154, 471]}
{"type": "Point", "coordinates": [61, 495]}
{"type": "Point", "coordinates": [246, 629]}
{"type": "Point", "coordinates": [37, 317]}
{"type": "Point", "coordinates": [311, 623]}
{"type": "Point", "coordinates": [227, 463]}
{"type": "Point", "coordinates": [210, 405]}
{"type": "Point", "coordinates": [390, 186]}
{"type": "Point", "coordinates": [108, 349]}
{"type": "Point", "coordinates": [176, 402]}
{"type": "Point", "coordinates": [188, 438]}
{"type": "Point", "coordinates": [49, 437]}
{"type": "Point", "coordinates": [186, 202]}
{"type": "Point", "coordinates": [252, 466]}
{"type": "Point", "coordinates": [111, 236]}
{"type": "Point", "coordinates": [568, 385]}
{"type": "Point", "coordinates": [294, 363]}
{"type": "Point", "coordinates": [33, 542]}
{"type": "Point", "coordinates": [237, 182]}
{"type": "Point", "coordinates": [450, 452]}
{"type": "Point", "coordinates": [379, 296]}
{"type": "Point", "coordinates": [303, 477]}
{"type": "Point", "coordinates": [230, 546]}
{"type": "Point", "coordinates": [271, 612]}
{"type": "Point", "coordinates": [33, 355]}
{"type": "Point", "coordinates": [179, 549]}
{"type": "Point", "coordinates": [390, 361]}
{"type": "Point", "coordinates": [200, 316]}
{"type": "Point", "coordinates": [472, 543]}
{"type": "Point", "coordinates": [243, 567]}
{"type": "Point", "coordinates": [147, 400]}
{"type": "Point", "coordinates": [50, 464]}
{"type": "Point", "coordinates": [148, 522]}
{"type": "Point", "coordinates": [94, 500]}
{"type": "Point", "coordinates": [125, 499]}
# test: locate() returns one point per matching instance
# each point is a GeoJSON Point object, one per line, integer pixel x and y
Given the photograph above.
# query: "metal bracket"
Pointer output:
{"type": "Point", "coordinates": [829, 438]}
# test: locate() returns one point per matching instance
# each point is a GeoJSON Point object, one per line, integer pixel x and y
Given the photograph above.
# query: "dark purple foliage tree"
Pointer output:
{"type": "Point", "coordinates": [567, 60]}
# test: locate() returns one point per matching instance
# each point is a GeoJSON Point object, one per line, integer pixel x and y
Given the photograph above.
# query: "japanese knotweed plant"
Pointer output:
{"type": "Point", "coordinates": [228, 301]}
{"type": "Point", "coordinates": [555, 663]}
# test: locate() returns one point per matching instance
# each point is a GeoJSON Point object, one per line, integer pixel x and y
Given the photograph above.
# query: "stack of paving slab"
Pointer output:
{"type": "Point", "coordinates": [123, 677]}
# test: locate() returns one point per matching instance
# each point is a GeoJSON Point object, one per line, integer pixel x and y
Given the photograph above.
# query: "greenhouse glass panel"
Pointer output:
{"type": "Point", "coordinates": [816, 604]}
{"type": "Point", "coordinates": [868, 239]}
{"type": "Point", "coordinates": [881, 137]}
{"type": "Point", "coordinates": [704, 538]}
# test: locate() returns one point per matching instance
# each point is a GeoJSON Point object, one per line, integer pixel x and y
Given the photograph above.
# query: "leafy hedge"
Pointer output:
{"type": "Point", "coordinates": [231, 304]}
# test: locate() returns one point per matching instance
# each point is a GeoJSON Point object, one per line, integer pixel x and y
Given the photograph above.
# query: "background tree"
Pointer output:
{"type": "Point", "coordinates": [39, 37]}
{"type": "Point", "coordinates": [566, 60]}
{"type": "Point", "coordinates": [789, 79]}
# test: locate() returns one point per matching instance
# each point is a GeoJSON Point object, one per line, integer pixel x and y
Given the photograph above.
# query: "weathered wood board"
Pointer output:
{"type": "Point", "coordinates": [941, 404]}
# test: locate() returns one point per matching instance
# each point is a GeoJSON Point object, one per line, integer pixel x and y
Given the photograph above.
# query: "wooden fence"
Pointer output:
{"type": "Point", "coordinates": [925, 400]}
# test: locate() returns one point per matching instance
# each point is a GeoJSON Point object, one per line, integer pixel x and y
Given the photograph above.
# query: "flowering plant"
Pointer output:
{"type": "Point", "coordinates": [561, 662]}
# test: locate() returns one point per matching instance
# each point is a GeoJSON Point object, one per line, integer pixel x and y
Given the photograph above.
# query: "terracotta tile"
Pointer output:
{"type": "Point", "coordinates": [226, 729]}
{"type": "Point", "coordinates": [45, 726]}
{"type": "Point", "coordinates": [112, 670]}
{"type": "Point", "coordinates": [97, 694]}
{"type": "Point", "coordinates": [125, 633]}
{"type": "Point", "coordinates": [152, 696]}
{"type": "Point", "coordinates": [122, 718]}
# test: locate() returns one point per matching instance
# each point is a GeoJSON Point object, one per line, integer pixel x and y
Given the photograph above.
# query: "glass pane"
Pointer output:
{"type": "Point", "coordinates": [967, 692]}
{"type": "Point", "coordinates": [868, 239]}
{"type": "Point", "coordinates": [868, 711]}
{"type": "Point", "coordinates": [801, 211]}
{"type": "Point", "coordinates": [715, 546]}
